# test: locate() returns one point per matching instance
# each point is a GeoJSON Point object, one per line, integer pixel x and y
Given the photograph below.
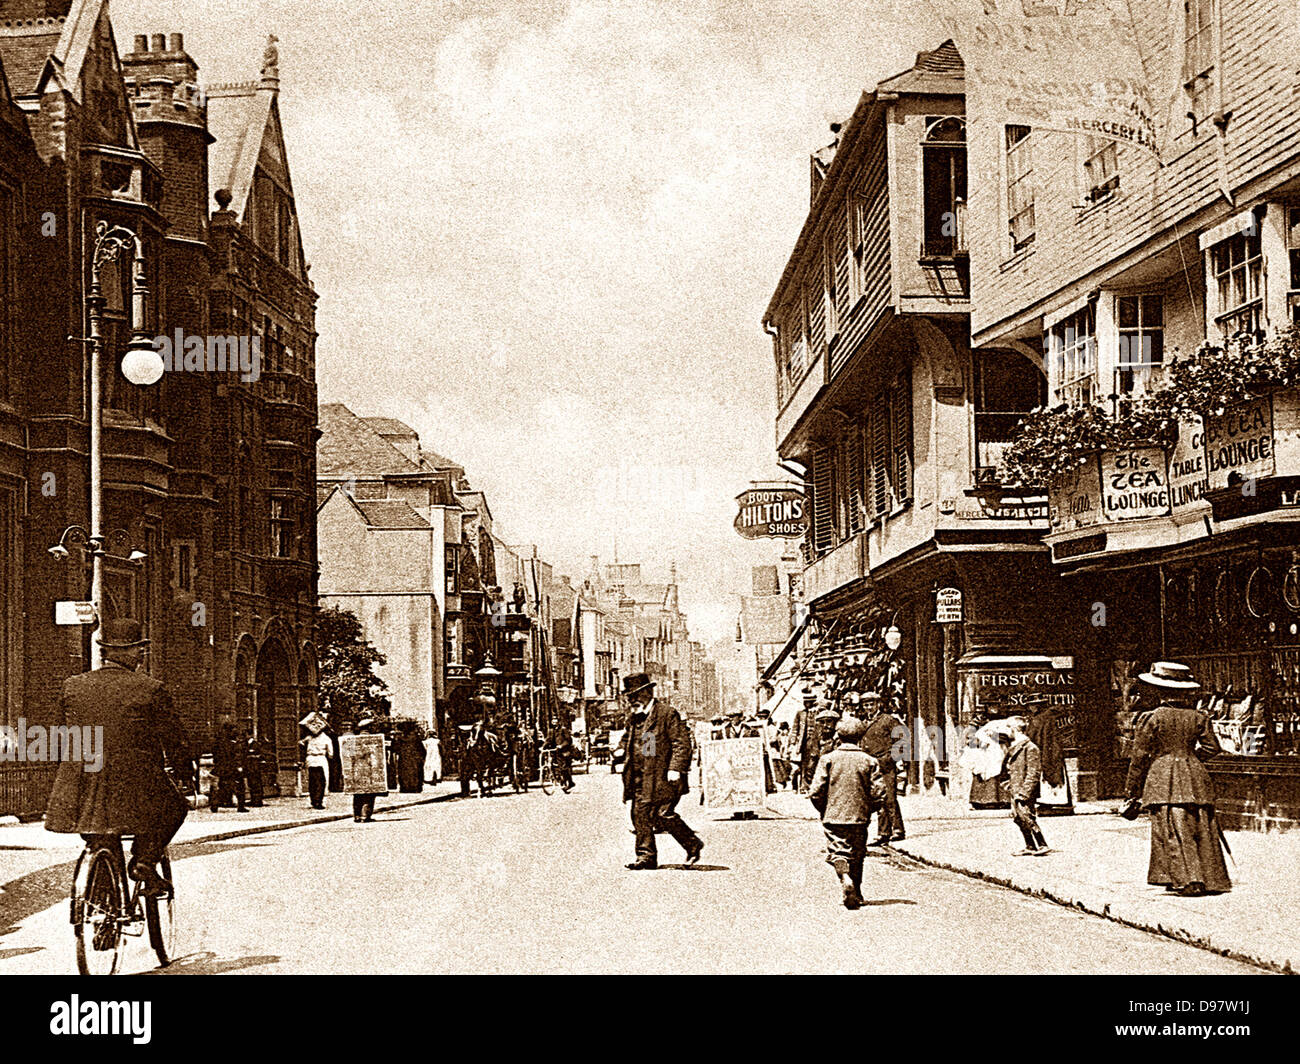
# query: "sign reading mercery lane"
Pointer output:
{"type": "Point", "coordinates": [772, 513]}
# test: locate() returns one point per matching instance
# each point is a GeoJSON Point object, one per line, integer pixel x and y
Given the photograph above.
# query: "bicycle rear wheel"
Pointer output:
{"type": "Point", "coordinates": [160, 916]}
{"type": "Point", "coordinates": [98, 901]}
{"type": "Point", "coordinates": [546, 776]}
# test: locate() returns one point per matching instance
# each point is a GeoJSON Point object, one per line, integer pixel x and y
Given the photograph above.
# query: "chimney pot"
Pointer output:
{"type": "Point", "coordinates": [158, 43]}
{"type": "Point", "coordinates": [177, 42]}
{"type": "Point", "coordinates": [141, 42]}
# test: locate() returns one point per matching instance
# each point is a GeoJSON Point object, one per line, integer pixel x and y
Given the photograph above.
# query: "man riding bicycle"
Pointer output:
{"type": "Point", "coordinates": [131, 793]}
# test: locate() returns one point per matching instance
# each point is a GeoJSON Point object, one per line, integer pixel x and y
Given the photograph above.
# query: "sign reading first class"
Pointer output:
{"type": "Point", "coordinates": [772, 513]}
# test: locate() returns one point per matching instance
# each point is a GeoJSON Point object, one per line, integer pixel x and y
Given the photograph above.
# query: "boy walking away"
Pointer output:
{"type": "Point", "coordinates": [846, 788]}
{"type": "Point", "coordinates": [1024, 768]}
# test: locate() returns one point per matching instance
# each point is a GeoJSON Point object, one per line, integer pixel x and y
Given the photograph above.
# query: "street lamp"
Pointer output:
{"type": "Point", "coordinates": [142, 365]}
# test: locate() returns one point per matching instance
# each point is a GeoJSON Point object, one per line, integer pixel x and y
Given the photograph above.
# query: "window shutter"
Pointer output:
{"type": "Point", "coordinates": [901, 407]}
{"type": "Point", "coordinates": [880, 457]}
{"type": "Point", "coordinates": [823, 482]}
{"type": "Point", "coordinates": [817, 310]}
{"type": "Point", "coordinates": [856, 475]}
{"type": "Point", "coordinates": [841, 268]}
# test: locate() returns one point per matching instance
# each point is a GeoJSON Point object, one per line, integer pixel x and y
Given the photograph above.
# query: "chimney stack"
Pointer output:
{"type": "Point", "coordinates": [158, 43]}
{"type": "Point", "coordinates": [177, 43]}
{"type": "Point", "coordinates": [141, 42]}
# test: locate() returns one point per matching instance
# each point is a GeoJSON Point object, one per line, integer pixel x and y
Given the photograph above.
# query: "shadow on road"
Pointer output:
{"type": "Point", "coordinates": [5, 954]}
{"type": "Point", "coordinates": [207, 963]}
{"type": "Point", "coordinates": [887, 901]}
{"type": "Point", "coordinates": [694, 868]}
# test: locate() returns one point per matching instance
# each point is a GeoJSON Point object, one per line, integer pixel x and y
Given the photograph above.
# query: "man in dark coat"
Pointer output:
{"type": "Point", "coordinates": [1167, 777]}
{"type": "Point", "coordinates": [883, 731]}
{"type": "Point", "coordinates": [254, 764]}
{"type": "Point", "coordinates": [229, 766]}
{"type": "Point", "coordinates": [801, 742]}
{"type": "Point", "coordinates": [658, 744]}
{"type": "Point", "coordinates": [131, 793]}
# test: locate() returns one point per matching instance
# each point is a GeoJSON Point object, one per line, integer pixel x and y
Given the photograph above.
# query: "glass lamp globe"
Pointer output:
{"type": "Point", "coordinates": [142, 364]}
{"type": "Point", "coordinates": [893, 637]}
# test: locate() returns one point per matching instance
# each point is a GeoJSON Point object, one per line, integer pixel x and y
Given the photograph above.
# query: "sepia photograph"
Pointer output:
{"type": "Point", "coordinates": [650, 487]}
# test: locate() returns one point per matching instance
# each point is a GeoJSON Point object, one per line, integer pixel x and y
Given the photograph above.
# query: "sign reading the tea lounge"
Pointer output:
{"type": "Point", "coordinates": [1134, 483]}
{"type": "Point", "coordinates": [1240, 441]}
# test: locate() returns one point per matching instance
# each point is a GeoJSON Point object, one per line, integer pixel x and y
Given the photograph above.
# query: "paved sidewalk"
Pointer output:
{"type": "Point", "coordinates": [203, 825]}
{"type": "Point", "coordinates": [1099, 865]}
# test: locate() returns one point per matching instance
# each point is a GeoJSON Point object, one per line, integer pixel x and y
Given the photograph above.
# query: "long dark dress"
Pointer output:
{"type": "Point", "coordinates": [410, 764]}
{"type": "Point", "coordinates": [1175, 788]}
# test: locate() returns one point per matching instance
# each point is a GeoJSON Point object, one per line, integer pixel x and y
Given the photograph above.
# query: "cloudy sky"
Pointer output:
{"type": "Point", "coordinates": [544, 234]}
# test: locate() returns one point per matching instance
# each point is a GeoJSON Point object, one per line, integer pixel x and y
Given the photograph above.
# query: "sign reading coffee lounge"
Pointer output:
{"type": "Point", "coordinates": [1240, 441]}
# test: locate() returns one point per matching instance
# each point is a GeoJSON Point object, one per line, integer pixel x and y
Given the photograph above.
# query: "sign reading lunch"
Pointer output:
{"type": "Point", "coordinates": [1134, 483]}
{"type": "Point", "coordinates": [772, 513]}
{"type": "Point", "coordinates": [1187, 480]}
{"type": "Point", "coordinates": [1240, 441]}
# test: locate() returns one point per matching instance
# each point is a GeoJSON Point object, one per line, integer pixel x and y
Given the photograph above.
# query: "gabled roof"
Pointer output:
{"type": "Point", "coordinates": [391, 427]}
{"type": "Point", "coordinates": [349, 445]}
{"type": "Point", "coordinates": [941, 72]}
{"type": "Point", "coordinates": [390, 513]}
{"type": "Point", "coordinates": [25, 46]}
{"type": "Point", "coordinates": [238, 117]}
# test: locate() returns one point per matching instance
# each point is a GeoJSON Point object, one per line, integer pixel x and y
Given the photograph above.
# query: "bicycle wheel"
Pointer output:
{"type": "Point", "coordinates": [546, 776]}
{"type": "Point", "coordinates": [98, 902]}
{"type": "Point", "coordinates": [159, 914]}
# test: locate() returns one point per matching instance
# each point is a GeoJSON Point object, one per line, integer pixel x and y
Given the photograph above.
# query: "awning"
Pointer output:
{"type": "Point", "coordinates": [790, 644]}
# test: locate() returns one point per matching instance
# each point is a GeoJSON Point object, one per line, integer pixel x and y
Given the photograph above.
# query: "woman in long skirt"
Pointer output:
{"type": "Point", "coordinates": [1173, 786]}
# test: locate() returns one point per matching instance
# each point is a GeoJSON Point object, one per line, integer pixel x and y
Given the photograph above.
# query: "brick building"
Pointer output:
{"type": "Point", "coordinates": [128, 141]}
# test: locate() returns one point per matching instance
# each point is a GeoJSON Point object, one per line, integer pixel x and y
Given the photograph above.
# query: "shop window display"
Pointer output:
{"type": "Point", "coordinates": [1236, 622]}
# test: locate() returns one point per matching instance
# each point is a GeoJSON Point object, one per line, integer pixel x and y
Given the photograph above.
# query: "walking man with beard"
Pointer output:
{"type": "Point", "coordinates": [658, 745]}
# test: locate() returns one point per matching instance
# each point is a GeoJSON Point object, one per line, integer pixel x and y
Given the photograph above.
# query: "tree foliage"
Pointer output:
{"type": "Point", "coordinates": [349, 688]}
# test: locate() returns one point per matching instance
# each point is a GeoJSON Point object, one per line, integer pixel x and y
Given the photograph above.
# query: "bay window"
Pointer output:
{"type": "Point", "coordinates": [1072, 347]}
{"type": "Point", "coordinates": [1237, 274]}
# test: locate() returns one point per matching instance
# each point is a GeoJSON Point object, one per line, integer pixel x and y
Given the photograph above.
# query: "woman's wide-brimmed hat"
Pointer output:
{"type": "Point", "coordinates": [121, 633]}
{"type": "Point", "coordinates": [1171, 674]}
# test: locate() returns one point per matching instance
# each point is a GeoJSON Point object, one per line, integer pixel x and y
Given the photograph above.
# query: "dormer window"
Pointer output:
{"type": "Point", "coordinates": [1199, 58]}
{"type": "Point", "coordinates": [943, 166]}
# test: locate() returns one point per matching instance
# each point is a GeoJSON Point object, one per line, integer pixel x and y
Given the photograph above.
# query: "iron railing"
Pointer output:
{"type": "Point", "coordinates": [25, 788]}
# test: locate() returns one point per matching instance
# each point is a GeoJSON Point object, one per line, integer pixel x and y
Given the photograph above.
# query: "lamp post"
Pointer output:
{"type": "Point", "coordinates": [141, 365]}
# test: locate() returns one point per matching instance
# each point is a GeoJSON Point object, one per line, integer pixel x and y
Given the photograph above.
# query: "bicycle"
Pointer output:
{"type": "Point", "coordinates": [109, 907]}
{"type": "Point", "coordinates": [546, 769]}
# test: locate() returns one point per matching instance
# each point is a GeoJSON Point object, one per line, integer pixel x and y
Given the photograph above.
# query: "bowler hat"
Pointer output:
{"type": "Point", "coordinates": [120, 633]}
{"type": "Point", "coordinates": [870, 696]}
{"type": "Point", "coordinates": [638, 681]}
{"type": "Point", "coordinates": [1171, 674]}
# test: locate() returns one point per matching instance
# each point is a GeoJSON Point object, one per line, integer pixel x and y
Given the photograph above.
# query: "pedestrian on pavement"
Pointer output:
{"type": "Point", "coordinates": [806, 740]}
{"type": "Point", "coordinates": [658, 744]}
{"type": "Point", "coordinates": [410, 760]}
{"type": "Point", "coordinates": [1167, 779]}
{"type": "Point", "coordinates": [131, 793]}
{"type": "Point", "coordinates": [432, 759]}
{"type": "Point", "coordinates": [320, 751]}
{"type": "Point", "coordinates": [780, 752]}
{"type": "Point", "coordinates": [363, 805]}
{"type": "Point", "coordinates": [846, 788]}
{"type": "Point", "coordinates": [884, 731]}
{"type": "Point", "coordinates": [253, 767]}
{"type": "Point", "coordinates": [1024, 769]}
{"type": "Point", "coordinates": [562, 739]}
{"type": "Point", "coordinates": [228, 765]}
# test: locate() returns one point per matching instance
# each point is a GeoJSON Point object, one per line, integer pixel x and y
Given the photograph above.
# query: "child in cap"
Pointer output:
{"type": "Point", "coordinates": [846, 789]}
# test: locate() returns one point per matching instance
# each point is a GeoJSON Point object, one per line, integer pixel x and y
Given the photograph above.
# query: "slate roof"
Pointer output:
{"type": "Point", "coordinates": [941, 71]}
{"type": "Point", "coordinates": [24, 56]}
{"type": "Point", "coordinates": [349, 445]}
{"type": "Point", "coordinates": [237, 119]}
{"type": "Point", "coordinates": [390, 513]}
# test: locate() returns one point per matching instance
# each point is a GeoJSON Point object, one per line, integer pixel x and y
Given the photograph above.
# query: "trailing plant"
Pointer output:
{"type": "Point", "coordinates": [1051, 442]}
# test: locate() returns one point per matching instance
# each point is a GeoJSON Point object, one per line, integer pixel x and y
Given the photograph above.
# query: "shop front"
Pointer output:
{"type": "Point", "coordinates": [1204, 570]}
